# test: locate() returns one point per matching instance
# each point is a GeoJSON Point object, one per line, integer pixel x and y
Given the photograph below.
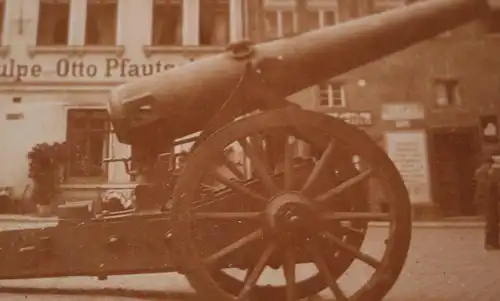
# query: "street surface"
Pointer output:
{"type": "Point", "coordinates": [444, 264]}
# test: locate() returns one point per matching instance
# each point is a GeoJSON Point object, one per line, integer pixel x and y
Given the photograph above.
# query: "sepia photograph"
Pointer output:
{"type": "Point", "coordinates": [250, 150]}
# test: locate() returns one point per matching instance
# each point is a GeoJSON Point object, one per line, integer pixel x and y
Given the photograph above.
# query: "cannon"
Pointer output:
{"type": "Point", "coordinates": [301, 200]}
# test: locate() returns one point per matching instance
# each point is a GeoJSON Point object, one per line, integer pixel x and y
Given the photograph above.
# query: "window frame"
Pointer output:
{"type": "Point", "coordinates": [115, 27]}
{"type": "Point", "coordinates": [180, 5]}
{"type": "Point", "coordinates": [452, 91]}
{"type": "Point", "coordinates": [330, 92]}
{"type": "Point", "coordinates": [318, 9]}
{"type": "Point", "coordinates": [279, 20]}
{"type": "Point", "coordinates": [107, 143]}
{"type": "Point", "coordinates": [222, 6]}
{"type": "Point", "coordinates": [321, 16]}
{"type": "Point", "coordinates": [67, 3]}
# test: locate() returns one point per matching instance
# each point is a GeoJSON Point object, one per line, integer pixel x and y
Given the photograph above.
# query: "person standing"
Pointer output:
{"type": "Point", "coordinates": [486, 197]}
{"type": "Point", "coordinates": [491, 209]}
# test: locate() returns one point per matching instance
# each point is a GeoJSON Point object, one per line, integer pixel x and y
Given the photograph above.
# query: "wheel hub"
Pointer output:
{"type": "Point", "coordinates": [290, 214]}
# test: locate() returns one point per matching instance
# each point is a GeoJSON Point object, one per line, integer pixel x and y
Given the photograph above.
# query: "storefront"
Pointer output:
{"type": "Point", "coordinates": [54, 98]}
{"type": "Point", "coordinates": [436, 157]}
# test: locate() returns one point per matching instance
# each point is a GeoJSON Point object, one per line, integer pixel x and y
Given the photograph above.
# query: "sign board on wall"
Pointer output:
{"type": "Point", "coordinates": [408, 151]}
{"type": "Point", "coordinates": [354, 118]}
{"type": "Point", "coordinates": [402, 111]}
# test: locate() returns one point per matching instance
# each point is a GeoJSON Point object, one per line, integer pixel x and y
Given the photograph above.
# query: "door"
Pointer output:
{"type": "Point", "coordinates": [454, 156]}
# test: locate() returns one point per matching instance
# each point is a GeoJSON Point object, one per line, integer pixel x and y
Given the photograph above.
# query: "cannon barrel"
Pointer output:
{"type": "Point", "coordinates": [183, 99]}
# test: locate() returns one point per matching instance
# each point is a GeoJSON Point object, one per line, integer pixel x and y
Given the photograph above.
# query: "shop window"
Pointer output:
{"type": "Point", "coordinates": [331, 95]}
{"type": "Point", "coordinates": [494, 22]}
{"type": "Point", "coordinates": [167, 22]}
{"type": "Point", "coordinates": [446, 92]}
{"type": "Point", "coordinates": [53, 22]}
{"type": "Point", "coordinates": [88, 135]}
{"type": "Point", "coordinates": [214, 22]}
{"type": "Point", "coordinates": [100, 26]}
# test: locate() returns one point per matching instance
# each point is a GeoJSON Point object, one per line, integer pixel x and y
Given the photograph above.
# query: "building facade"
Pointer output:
{"type": "Point", "coordinates": [432, 107]}
{"type": "Point", "coordinates": [59, 58]}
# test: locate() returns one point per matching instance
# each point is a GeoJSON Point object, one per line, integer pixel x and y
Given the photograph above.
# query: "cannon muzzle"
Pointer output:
{"type": "Point", "coordinates": [183, 99]}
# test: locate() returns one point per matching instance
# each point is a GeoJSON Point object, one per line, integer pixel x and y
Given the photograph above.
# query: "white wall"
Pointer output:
{"type": "Point", "coordinates": [43, 120]}
{"type": "Point", "coordinates": [47, 93]}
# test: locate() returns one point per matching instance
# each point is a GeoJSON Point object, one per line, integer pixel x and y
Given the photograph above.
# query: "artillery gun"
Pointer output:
{"type": "Point", "coordinates": [305, 199]}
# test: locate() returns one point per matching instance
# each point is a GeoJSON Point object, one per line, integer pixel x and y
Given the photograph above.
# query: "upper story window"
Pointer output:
{"type": "Point", "coordinates": [327, 17]}
{"type": "Point", "coordinates": [331, 95]}
{"type": "Point", "coordinates": [2, 17]}
{"type": "Point", "coordinates": [100, 25]}
{"type": "Point", "coordinates": [88, 135]}
{"type": "Point", "coordinates": [280, 23]}
{"type": "Point", "coordinates": [446, 92]}
{"type": "Point", "coordinates": [167, 22]}
{"type": "Point", "coordinates": [385, 5]}
{"type": "Point", "coordinates": [53, 22]}
{"type": "Point", "coordinates": [214, 22]}
{"type": "Point", "coordinates": [283, 20]}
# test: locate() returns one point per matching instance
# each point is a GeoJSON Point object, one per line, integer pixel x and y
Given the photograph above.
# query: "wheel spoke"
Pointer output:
{"type": "Point", "coordinates": [319, 167]}
{"type": "Point", "coordinates": [234, 246]}
{"type": "Point", "coordinates": [343, 186]}
{"type": "Point", "coordinates": [228, 215]}
{"type": "Point", "coordinates": [325, 272]}
{"type": "Point", "coordinates": [259, 165]}
{"type": "Point", "coordinates": [259, 145]}
{"type": "Point", "coordinates": [350, 249]}
{"type": "Point", "coordinates": [347, 230]}
{"type": "Point", "coordinates": [288, 164]}
{"type": "Point", "coordinates": [356, 216]}
{"type": "Point", "coordinates": [237, 186]}
{"type": "Point", "coordinates": [289, 271]}
{"type": "Point", "coordinates": [233, 168]}
{"type": "Point", "coordinates": [252, 279]}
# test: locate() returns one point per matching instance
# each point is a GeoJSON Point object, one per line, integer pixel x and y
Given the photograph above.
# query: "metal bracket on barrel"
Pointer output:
{"type": "Point", "coordinates": [251, 85]}
{"type": "Point", "coordinates": [241, 49]}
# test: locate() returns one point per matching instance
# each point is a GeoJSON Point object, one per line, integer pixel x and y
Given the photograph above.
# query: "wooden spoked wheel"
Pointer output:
{"type": "Point", "coordinates": [310, 211]}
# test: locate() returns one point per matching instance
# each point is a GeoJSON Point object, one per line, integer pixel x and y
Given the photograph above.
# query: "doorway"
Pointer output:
{"type": "Point", "coordinates": [453, 160]}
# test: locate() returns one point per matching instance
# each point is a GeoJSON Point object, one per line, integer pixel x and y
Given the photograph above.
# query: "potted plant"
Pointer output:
{"type": "Point", "coordinates": [45, 165]}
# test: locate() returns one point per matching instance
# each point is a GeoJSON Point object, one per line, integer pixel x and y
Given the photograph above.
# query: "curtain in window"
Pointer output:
{"type": "Point", "coordinates": [214, 22]}
{"type": "Point", "coordinates": [207, 19]}
{"type": "Point", "coordinates": [53, 24]}
{"type": "Point", "coordinates": [88, 139]}
{"type": "Point", "coordinates": [167, 28]}
{"type": "Point", "coordinates": [221, 27]}
{"type": "Point", "coordinates": [287, 22]}
{"type": "Point", "coordinates": [271, 24]}
{"type": "Point", "coordinates": [101, 24]}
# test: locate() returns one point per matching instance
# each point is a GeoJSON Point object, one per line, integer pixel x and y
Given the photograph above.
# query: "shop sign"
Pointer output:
{"type": "Point", "coordinates": [81, 69]}
{"type": "Point", "coordinates": [354, 118]}
{"type": "Point", "coordinates": [408, 151]}
{"type": "Point", "coordinates": [402, 111]}
{"type": "Point", "coordinates": [14, 116]}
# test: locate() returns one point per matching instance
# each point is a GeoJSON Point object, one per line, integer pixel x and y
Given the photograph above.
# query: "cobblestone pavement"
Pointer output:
{"type": "Point", "coordinates": [443, 265]}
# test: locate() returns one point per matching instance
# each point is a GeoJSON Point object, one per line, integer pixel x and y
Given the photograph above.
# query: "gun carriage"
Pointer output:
{"type": "Point", "coordinates": [306, 199]}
